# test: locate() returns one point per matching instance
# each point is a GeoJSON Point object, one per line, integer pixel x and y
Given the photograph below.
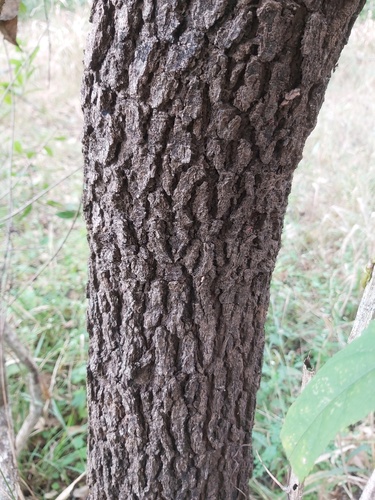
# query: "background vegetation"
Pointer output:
{"type": "Point", "coordinates": [328, 238]}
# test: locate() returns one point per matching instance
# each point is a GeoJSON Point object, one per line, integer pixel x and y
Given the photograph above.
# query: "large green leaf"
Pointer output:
{"type": "Point", "coordinates": [340, 394]}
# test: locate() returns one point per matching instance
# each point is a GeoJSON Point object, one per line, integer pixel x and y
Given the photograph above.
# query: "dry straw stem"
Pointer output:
{"type": "Point", "coordinates": [64, 495]}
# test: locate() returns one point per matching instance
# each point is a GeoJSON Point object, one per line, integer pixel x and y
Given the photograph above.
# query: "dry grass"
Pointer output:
{"type": "Point", "coordinates": [44, 123]}
{"type": "Point", "coordinates": [329, 235]}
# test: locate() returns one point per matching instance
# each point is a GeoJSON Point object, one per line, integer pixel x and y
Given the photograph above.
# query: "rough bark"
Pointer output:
{"type": "Point", "coordinates": [196, 113]}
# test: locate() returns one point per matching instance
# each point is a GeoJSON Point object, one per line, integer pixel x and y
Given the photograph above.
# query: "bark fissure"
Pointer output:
{"type": "Point", "coordinates": [196, 113]}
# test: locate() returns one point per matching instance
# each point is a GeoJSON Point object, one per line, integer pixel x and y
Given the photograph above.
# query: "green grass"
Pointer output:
{"type": "Point", "coordinates": [39, 9]}
{"type": "Point", "coordinates": [368, 11]}
{"type": "Point", "coordinates": [40, 123]}
{"type": "Point", "coordinates": [329, 235]}
{"type": "Point", "coordinates": [328, 238]}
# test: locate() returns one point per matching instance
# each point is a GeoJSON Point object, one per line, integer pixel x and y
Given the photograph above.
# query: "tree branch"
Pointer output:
{"type": "Point", "coordinates": [36, 387]}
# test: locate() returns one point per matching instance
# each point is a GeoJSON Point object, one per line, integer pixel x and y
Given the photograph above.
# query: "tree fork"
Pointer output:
{"type": "Point", "coordinates": [196, 113]}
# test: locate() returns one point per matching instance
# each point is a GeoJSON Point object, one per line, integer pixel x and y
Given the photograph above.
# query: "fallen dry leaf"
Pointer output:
{"type": "Point", "coordinates": [9, 30]}
{"type": "Point", "coordinates": [8, 19]}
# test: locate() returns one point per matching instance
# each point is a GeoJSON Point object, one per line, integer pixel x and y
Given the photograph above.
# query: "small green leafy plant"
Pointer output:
{"type": "Point", "coordinates": [341, 394]}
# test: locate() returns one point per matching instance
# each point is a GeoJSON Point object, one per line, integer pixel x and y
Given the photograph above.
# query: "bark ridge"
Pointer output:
{"type": "Point", "coordinates": [196, 113]}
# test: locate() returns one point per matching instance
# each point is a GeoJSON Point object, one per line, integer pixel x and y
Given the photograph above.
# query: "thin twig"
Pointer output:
{"type": "Point", "coordinates": [36, 387]}
{"type": "Point", "coordinates": [7, 252]}
{"type": "Point", "coordinates": [276, 481]}
{"type": "Point", "coordinates": [67, 492]}
{"type": "Point", "coordinates": [37, 196]}
{"type": "Point", "coordinates": [44, 266]}
{"type": "Point", "coordinates": [25, 168]}
{"type": "Point", "coordinates": [9, 485]}
{"type": "Point", "coordinates": [295, 488]}
{"type": "Point", "coordinates": [19, 70]}
{"type": "Point", "coordinates": [8, 465]}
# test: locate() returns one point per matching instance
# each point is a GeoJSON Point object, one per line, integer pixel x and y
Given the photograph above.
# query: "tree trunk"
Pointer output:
{"type": "Point", "coordinates": [196, 114]}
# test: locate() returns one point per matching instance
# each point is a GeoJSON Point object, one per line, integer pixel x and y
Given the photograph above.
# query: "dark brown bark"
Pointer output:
{"type": "Point", "coordinates": [196, 113]}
